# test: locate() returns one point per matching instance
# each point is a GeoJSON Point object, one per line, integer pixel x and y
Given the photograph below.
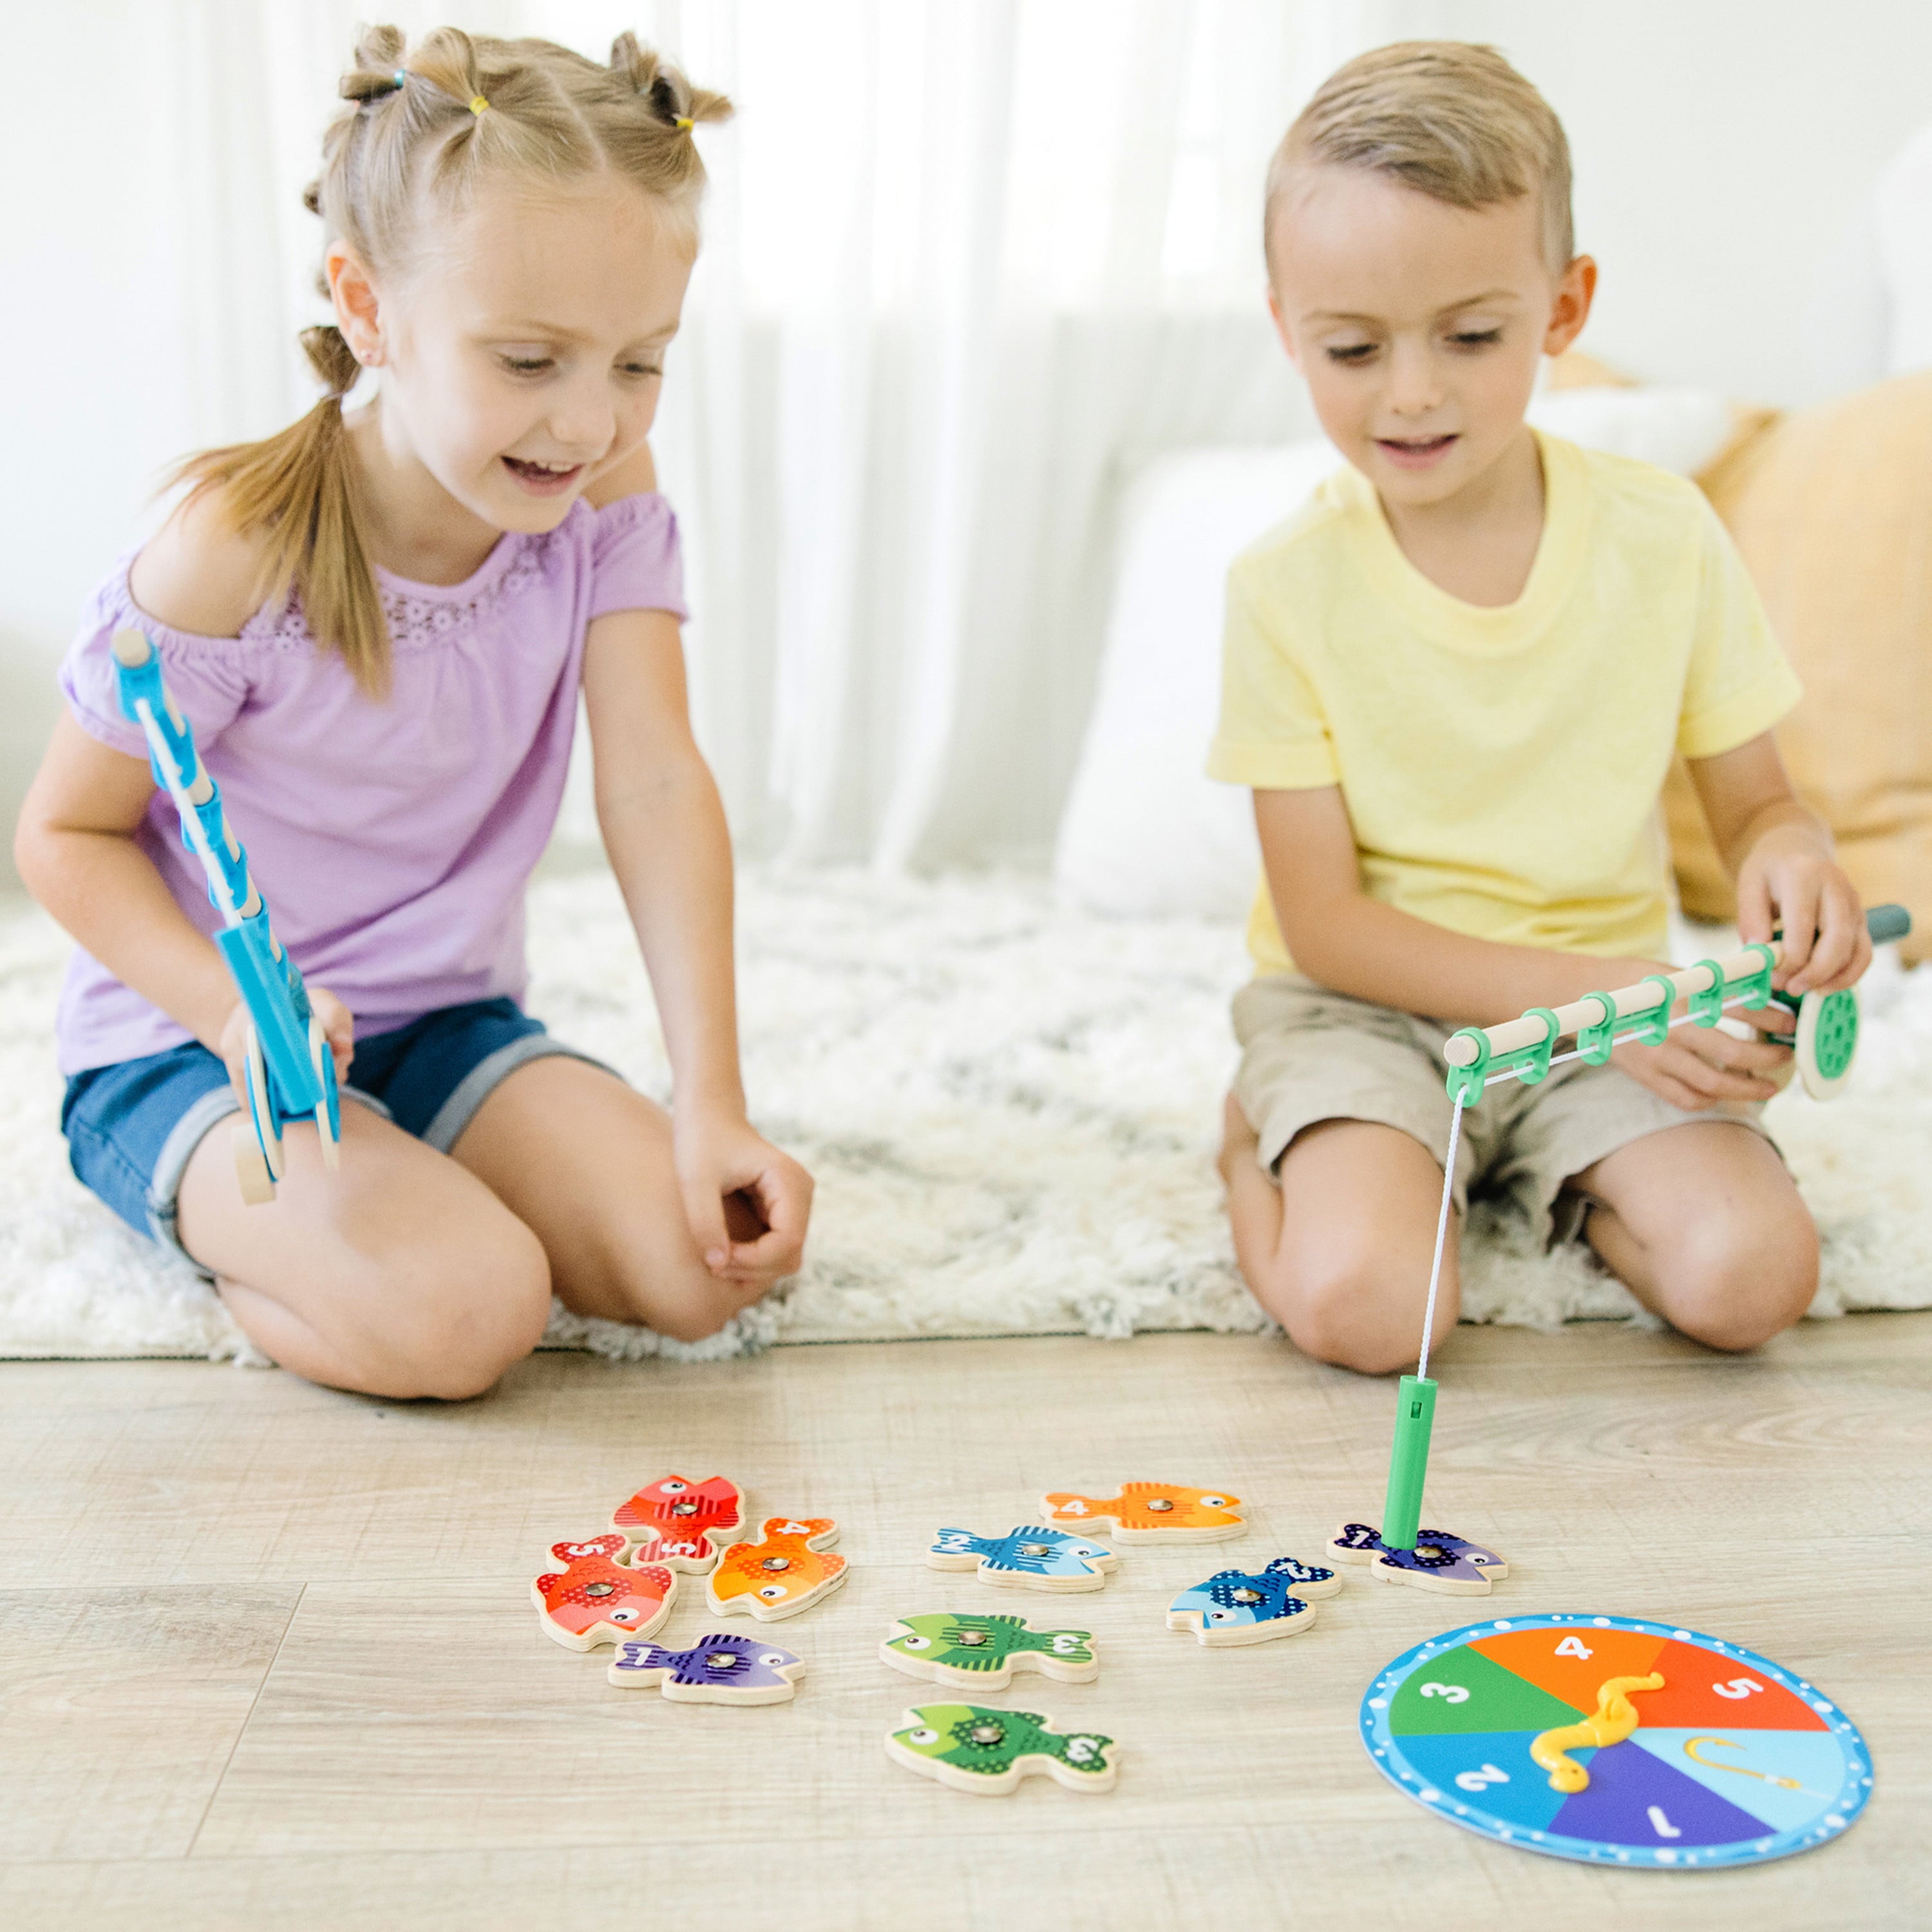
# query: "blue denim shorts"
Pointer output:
{"type": "Point", "coordinates": [132, 1127]}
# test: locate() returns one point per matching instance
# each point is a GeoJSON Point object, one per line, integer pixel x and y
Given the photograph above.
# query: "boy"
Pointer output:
{"type": "Point", "coordinates": [1455, 681]}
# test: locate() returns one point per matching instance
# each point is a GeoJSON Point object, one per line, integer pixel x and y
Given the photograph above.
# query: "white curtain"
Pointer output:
{"type": "Point", "coordinates": [968, 264]}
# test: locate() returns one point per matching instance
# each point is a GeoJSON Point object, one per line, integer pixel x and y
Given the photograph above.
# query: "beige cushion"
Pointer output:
{"type": "Point", "coordinates": [1832, 511]}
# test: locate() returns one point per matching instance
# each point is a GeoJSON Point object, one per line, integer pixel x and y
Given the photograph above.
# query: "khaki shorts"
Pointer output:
{"type": "Point", "coordinates": [1309, 1055]}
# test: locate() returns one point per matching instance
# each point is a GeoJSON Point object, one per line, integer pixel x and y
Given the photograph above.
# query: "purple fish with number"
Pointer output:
{"type": "Point", "coordinates": [1437, 1554]}
{"type": "Point", "coordinates": [739, 1666]}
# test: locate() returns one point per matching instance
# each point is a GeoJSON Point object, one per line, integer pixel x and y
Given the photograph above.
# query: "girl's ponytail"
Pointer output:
{"type": "Point", "coordinates": [297, 491]}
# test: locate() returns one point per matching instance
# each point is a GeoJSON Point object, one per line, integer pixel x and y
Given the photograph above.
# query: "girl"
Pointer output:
{"type": "Point", "coordinates": [378, 623]}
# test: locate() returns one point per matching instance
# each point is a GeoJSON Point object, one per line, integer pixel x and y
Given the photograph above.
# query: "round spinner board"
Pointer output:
{"type": "Point", "coordinates": [1733, 1760]}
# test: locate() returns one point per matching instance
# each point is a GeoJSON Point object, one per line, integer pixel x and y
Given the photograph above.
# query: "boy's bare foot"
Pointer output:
{"type": "Point", "coordinates": [1238, 1140]}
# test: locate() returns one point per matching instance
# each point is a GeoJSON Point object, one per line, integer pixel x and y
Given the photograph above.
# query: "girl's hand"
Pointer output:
{"type": "Point", "coordinates": [747, 1203]}
{"type": "Point", "coordinates": [338, 1027]}
{"type": "Point", "coordinates": [1790, 879]}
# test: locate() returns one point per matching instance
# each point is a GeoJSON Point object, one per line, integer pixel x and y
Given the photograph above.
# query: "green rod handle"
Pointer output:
{"type": "Point", "coordinates": [1887, 922]}
{"type": "Point", "coordinates": [1408, 1462]}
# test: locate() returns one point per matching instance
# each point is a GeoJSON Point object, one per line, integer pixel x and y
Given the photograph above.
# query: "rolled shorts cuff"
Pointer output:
{"type": "Point", "coordinates": [444, 1129]}
{"type": "Point", "coordinates": [1289, 1117]}
{"type": "Point", "coordinates": [164, 1200]}
{"type": "Point", "coordinates": [447, 1124]}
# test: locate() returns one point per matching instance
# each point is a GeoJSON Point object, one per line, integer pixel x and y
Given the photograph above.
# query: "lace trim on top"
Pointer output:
{"type": "Point", "coordinates": [415, 620]}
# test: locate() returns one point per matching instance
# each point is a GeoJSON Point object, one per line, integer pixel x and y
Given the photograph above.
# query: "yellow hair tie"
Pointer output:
{"type": "Point", "coordinates": [685, 123]}
{"type": "Point", "coordinates": [478, 105]}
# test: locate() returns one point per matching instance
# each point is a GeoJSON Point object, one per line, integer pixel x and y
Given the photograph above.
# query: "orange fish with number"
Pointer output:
{"type": "Point", "coordinates": [1152, 1512]}
{"type": "Point", "coordinates": [787, 1570]}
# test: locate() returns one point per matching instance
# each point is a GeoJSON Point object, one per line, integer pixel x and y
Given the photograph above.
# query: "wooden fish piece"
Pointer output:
{"type": "Point", "coordinates": [1448, 1565]}
{"type": "Point", "coordinates": [1151, 1513]}
{"type": "Point", "coordinates": [595, 1599]}
{"type": "Point", "coordinates": [720, 1669]}
{"type": "Point", "coordinates": [988, 1752]}
{"type": "Point", "coordinates": [681, 1523]}
{"type": "Point", "coordinates": [1235, 1606]}
{"type": "Point", "coordinates": [1029, 1558]}
{"type": "Point", "coordinates": [981, 1653]}
{"type": "Point", "coordinates": [785, 1572]}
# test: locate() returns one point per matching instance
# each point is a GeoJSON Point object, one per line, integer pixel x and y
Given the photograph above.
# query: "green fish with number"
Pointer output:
{"type": "Point", "coordinates": [975, 1749]}
{"type": "Point", "coordinates": [982, 1653]}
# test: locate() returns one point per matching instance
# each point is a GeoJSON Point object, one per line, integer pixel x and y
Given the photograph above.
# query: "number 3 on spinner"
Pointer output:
{"type": "Point", "coordinates": [1729, 1760]}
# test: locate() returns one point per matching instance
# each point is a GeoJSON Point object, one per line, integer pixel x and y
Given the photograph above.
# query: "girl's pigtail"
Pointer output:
{"type": "Point", "coordinates": [297, 492]}
{"type": "Point", "coordinates": [671, 96]}
{"type": "Point", "coordinates": [378, 72]}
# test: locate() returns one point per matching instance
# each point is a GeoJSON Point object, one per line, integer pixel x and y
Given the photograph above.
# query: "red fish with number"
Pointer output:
{"type": "Point", "coordinates": [680, 1522]}
{"type": "Point", "coordinates": [597, 1600]}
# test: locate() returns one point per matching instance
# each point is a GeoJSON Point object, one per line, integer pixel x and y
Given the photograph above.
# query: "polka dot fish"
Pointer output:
{"type": "Point", "coordinates": [786, 1571]}
{"type": "Point", "coordinates": [597, 1600]}
{"type": "Point", "coordinates": [1235, 1607]}
{"type": "Point", "coordinates": [719, 1668]}
{"type": "Point", "coordinates": [1450, 1565]}
{"type": "Point", "coordinates": [988, 1752]}
{"type": "Point", "coordinates": [1152, 1512]}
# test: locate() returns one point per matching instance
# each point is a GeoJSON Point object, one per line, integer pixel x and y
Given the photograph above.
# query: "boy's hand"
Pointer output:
{"type": "Point", "coordinates": [1698, 1067]}
{"type": "Point", "coordinates": [338, 1027]}
{"type": "Point", "coordinates": [747, 1203]}
{"type": "Point", "coordinates": [1789, 879]}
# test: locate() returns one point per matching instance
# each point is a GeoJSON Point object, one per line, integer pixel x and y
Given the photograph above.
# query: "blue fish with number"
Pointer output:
{"type": "Point", "coordinates": [1029, 1558]}
{"type": "Point", "coordinates": [1242, 1606]}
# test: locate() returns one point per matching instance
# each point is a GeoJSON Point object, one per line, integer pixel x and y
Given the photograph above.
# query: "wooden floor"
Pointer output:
{"type": "Point", "coordinates": [268, 1657]}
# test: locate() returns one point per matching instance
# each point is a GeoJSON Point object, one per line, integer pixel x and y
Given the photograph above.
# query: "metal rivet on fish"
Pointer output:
{"type": "Point", "coordinates": [777, 1563]}
{"type": "Point", "coordinates": [600, 1589]}
{"type": "Point", "coordinates": [1161, 1505]}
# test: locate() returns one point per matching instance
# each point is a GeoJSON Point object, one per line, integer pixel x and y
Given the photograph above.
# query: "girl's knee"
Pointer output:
{"type": "Point", "coordinates": [682, 1299]}
{"type": "Point", "coordinates": [464, 1317]}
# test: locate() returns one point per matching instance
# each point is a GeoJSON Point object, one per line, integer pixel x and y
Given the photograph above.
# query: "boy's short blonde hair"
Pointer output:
{"type": "Point", "coordinates": [1448, 118]}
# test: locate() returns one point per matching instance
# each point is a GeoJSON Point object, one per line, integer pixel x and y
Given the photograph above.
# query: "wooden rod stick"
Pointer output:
{"type": "Point", "coordinates": [1511, 1035]}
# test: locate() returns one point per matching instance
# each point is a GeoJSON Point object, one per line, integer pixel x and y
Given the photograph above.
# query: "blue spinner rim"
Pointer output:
{"type": "Point", "coordinates": [1385, 1753]}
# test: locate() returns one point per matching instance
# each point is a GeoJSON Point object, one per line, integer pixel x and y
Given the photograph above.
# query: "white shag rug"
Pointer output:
{"type": "Point", "coordinates": [1011, 1110]}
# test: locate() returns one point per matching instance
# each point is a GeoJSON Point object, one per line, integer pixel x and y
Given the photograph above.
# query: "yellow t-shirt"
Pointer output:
{"type": "Point", "coordinates": [1501, 767]}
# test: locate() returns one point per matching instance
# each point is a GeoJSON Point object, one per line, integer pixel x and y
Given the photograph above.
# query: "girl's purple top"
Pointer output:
{"type": "Point", "coordinates": [391, 840]}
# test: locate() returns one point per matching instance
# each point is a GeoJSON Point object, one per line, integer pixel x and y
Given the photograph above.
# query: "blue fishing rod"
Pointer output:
{"type": "Point", "coordinates": [290, 1071]}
